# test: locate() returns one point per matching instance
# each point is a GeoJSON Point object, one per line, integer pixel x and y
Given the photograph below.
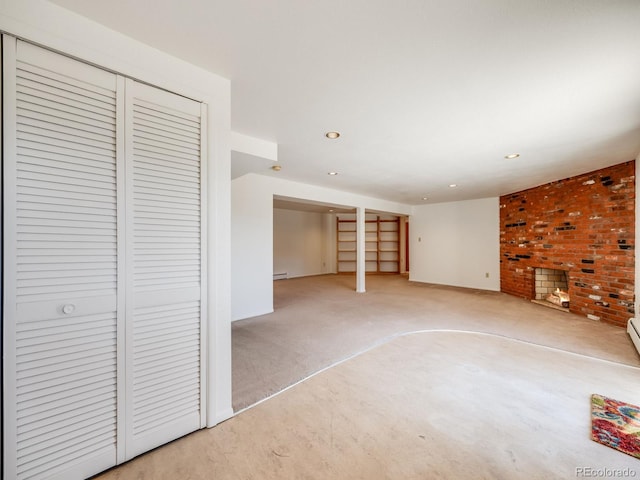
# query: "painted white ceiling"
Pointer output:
{"type": "Point", "coordinates": [425, 92]}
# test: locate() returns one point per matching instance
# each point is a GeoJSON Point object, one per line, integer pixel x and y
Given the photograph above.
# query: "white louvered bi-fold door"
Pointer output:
{"type": "Point", "coordinates": [165, 304]}
{"type": "Point", "coordinates": [61, 266]}
{"type": "Point", "coordinates": [102, 277]}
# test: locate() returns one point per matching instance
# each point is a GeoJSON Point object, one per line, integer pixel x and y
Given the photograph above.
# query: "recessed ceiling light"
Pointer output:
{"type": "Point", "coordinates": [453, 185]}
{"type": "Point", "coordinates": [331, 210]}
{"type": "Point", "coordinates": [332, 173]}
{"type": "Point", "coordinates": [332, 135]}
{"type": "Point", "coordinates": [276, 168]}
{"type": "Point", "coordinates": [511, 156]}
{"type": "Point", "coordinates": [425, 198]}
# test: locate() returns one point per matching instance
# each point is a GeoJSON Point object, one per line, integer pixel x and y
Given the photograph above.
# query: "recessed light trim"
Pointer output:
{"type": "Point", "coordinates": [333, 174]}
{"type": "Point", "coordinates": [453, 185]}
{"type": "Point", "coordinates": [511, 156]}
{"type": "Point", "coordinates": [332, 135]}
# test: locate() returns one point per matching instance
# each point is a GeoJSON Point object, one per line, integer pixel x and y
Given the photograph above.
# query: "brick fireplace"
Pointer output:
{"type": "Point", "coordinates": [584, 226]}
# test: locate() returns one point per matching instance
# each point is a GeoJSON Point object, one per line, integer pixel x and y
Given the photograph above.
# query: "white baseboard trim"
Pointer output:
{"type": "Point", "coordinates": [633, 329]}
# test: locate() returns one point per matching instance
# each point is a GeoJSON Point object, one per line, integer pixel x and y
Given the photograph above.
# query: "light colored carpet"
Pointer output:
{"type": "Point", "coordinates": [439, 404]}
{"type": "Point", "coordinates": [321, 320]}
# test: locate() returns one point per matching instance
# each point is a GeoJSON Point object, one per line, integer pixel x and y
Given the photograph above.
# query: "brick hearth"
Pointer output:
{"type": "Point", "coordinates": [584, 225]}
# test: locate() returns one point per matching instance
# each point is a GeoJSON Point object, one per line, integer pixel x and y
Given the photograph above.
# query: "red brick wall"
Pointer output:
{"type": "Point", "coordinates": [584, 225]}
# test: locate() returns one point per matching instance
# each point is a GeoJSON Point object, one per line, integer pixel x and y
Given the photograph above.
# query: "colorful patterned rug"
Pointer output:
{"type": "Point", "coordinates": [615, 424]}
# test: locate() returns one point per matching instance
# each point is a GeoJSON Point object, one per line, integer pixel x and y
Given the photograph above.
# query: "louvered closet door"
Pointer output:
{"type": "Point", "coordinates": [60, 265]}
{"type": "Point", "coordinates": [165, 309]}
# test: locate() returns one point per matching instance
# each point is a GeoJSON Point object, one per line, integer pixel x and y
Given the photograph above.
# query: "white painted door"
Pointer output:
{"type": "Point", "coordinates": [164, 305]}
{"type": "Point", "coordinates": [60, 271]}
{"type": "Point", "coordinates": [103, 276]}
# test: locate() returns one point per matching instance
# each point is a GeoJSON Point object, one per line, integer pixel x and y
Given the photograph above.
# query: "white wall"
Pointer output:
{"type": "Point", "coordinates": [252, 234]}
{"type": "Point", "coordinates": [299, 243]}
{"type": "Point", "coordinates": [456, 244]}
{"type": "Point", "coordinates": [47, 24]}
{"type": "Point", "coordinates": [251, 248]}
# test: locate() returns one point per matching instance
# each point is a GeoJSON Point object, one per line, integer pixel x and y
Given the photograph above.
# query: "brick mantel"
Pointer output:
{"type": "Point", "coordinates": [584, 225]}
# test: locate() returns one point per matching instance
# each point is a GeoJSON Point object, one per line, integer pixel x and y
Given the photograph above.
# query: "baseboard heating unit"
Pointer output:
{"type": "Point", "coordinates": [633, 328]}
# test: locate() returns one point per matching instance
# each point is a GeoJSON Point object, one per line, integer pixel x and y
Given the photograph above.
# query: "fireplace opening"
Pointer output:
{"type": "Point", "coordinates": [552, 288]}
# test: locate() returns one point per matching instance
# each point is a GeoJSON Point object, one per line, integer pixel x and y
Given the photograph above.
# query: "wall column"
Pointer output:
{"type": "Point", "coordinates": [636, 256]}
{"type": "Point", "coordinates": [360, 250]}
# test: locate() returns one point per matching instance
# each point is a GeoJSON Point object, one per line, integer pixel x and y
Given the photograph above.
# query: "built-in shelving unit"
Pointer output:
{"type": "Point", "coordinates": [382, 241]}
{"type": "Point", "coordinates": [388, 244]}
